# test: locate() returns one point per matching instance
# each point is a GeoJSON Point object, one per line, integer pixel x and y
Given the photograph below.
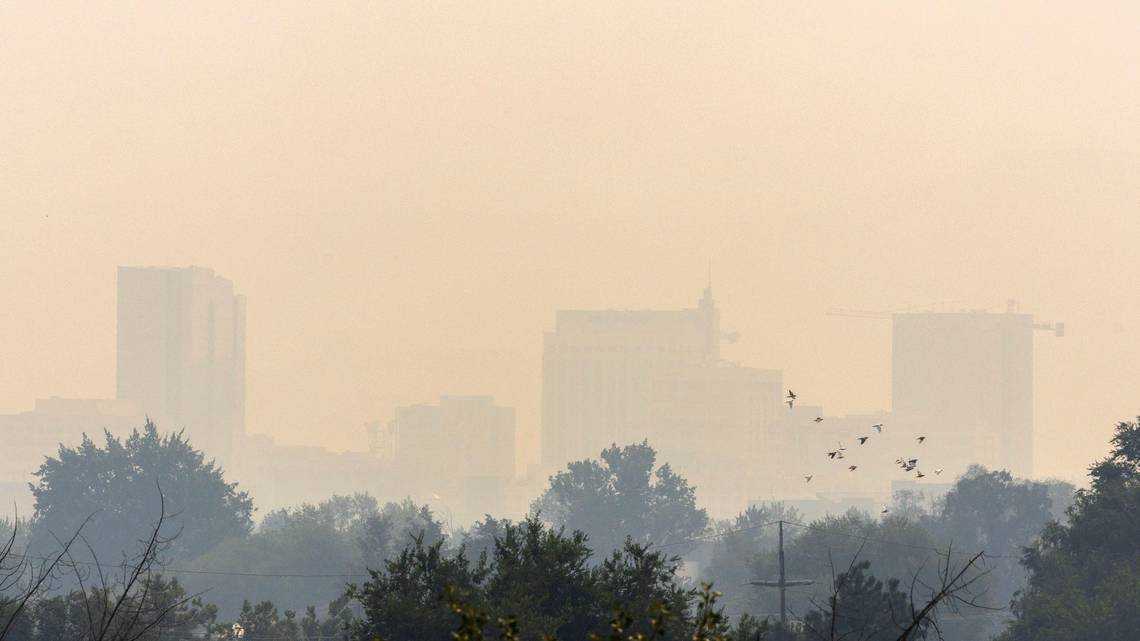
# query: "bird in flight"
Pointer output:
{"type": "Point", "coordinates": [938, 470]}
{"type": "Point", "coordinates": [920, 474]}
{"type": "Point", "coordinates": [790, 402]}
{"type": "Point", "coordinates": [921, 439]}
{"type": "Point", "coordinates": [819, 419]}
{"type": "Point", "coordinates": [863, 439]}
{"type": "Point", "coordinates": [885, 510]}
{"type": "Point", "coordinates": [851, 468]}
{"type": "Point", "coordinates": [808, 478]}
{"type": "Point", "coordinates": [791, 395]}
{"type": "Point", "coordinates": [832, 453]}
{"type": "Point", "coordinates": [841, 448]}
{"type": "Point", "coordinates": [878, 427]}
{"type": "Point", "coordinates": [791, 399]}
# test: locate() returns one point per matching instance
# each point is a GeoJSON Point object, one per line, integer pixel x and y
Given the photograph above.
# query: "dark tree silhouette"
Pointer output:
{"type": "Point", "coordinates": [115, 485]}
{"type": "Point", "coordinates": [622, 495]}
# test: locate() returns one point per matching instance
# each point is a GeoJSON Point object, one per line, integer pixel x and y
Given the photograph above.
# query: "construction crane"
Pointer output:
{"type": "Point", "coordinates": [1058, 328]}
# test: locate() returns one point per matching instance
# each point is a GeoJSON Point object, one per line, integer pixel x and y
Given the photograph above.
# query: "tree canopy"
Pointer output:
{"type": "Point", "coordinates": [623, 495]}
{"type": "Point", "coordinates": [1084, 576]}
{"type": "Point", "coordinates": [118, 485]}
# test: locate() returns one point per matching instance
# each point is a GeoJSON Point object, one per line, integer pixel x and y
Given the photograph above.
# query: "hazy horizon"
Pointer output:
{"type": "Point", "coordinates": [407, 194]}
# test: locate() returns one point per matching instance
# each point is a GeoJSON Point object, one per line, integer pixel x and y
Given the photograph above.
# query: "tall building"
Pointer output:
{"type": "Point", "coordinates": [181, 353]}
{"type": "Point", "coordinates": [965, 380]}
{"type": "Point", "coordinates": [626, 376]}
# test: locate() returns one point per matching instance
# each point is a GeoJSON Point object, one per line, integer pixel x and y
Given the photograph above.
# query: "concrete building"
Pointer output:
{"type": "Point", "coordinates": [458, 455]}
{"type": "Point", "coordinates": [27, 438]}
{"type": "Point", "coordinates": [626, 376]}
{"type": "Point", "coordinates": [181, 353]}
{"type": "Point", "coordinates": [965, 380]}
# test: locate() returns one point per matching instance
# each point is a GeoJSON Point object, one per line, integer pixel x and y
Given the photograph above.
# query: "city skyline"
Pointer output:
{"type": "Point", "coordinates": [379, 213]}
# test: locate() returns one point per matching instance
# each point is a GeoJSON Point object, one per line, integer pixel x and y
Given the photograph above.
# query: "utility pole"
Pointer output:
{"type": "Point", "coordinates": [783, 584]}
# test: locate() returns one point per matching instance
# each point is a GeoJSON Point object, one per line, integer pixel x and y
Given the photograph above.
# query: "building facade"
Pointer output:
{"type": "Point", "coordinates": [965, 380]}
{"type": "Point", "coordinates": [457, 455]}
{"type": "Point", "coordinates": [626, 376]}
{"type": "Point", "coordinates": [181, 353]}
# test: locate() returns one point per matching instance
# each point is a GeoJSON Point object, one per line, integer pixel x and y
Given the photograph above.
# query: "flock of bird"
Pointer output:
{"type": "Point", "coordinates": [906, 464]}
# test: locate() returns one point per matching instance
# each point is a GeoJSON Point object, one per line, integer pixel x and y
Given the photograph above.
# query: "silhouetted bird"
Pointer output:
{"type": "Point", "coordinates": [863, 439]}
{"type": "Point", "coordinates": [851, 468]}
{"type": "Point", "coordinates": [791, 399]}
{"type": "Point", "coordinates": [878, 427]}
{"type": "Point", "coordinates": [884, 510]}
{"type": "Point", "coordinates": [920, 474]}
{"type": "Point", "coordinates": [937, 470]}
{"type": "Point", "coordinates": [921, 439]}
{"type": "Point", "coordinates": [832, 454]}
{"type": "Point", "coordinates": [819, 419]}
{"type": "Point", "coordinates": [808, 478]}
{"type": "Point", "coordinates": [791, 395]}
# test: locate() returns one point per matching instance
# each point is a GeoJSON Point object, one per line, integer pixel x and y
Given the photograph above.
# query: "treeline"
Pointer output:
{"type": "Point", "coordinates": [144, 539]}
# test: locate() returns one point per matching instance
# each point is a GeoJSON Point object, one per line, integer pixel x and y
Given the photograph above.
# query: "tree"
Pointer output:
{"type": "Point", "coordinates": [319, 542]}
{"type": "Point", "coordinates": [541, 577]}
{"type": "Point", "coordinates": [622, 495]}
{"type": "Point", "coordinates": [991, 510]}
{"type": "Point", "coordinates": [115, 483]}
{"type": "Point", "coordinates": [404, 601]}
{"type": "Point", "coordinates": [1084, 576]}
{"type": "Point", "coordinates": [860, 608]}
{"type": "Point", "coordinates": [126, 601]}
{"type": "Point", "coordinates": [382, 536]}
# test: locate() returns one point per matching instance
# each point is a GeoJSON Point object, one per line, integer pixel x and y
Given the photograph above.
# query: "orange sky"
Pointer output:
{"type": "Point", "coordinates": [407, 191]}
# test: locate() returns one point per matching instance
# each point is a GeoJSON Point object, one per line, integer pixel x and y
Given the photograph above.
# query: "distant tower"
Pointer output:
{"type": "Point", "coordinates": [711, 318]}
{"type": "Point", "coordinates": [181, 353]}
{"type": "Point", "coordinates": [966, 381]}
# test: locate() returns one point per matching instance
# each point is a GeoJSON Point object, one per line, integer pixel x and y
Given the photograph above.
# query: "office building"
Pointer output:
{"type": "Point", "coordinates": [458, 455]}
{"type": "Point", "coordinates": [621, 377]}
{"type": "Point", "coordinates": [181, 353]}
{"type": "Point", "coordinates": [965, 380]}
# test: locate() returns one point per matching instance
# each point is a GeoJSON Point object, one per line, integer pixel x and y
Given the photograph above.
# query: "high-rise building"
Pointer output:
{"type": "Point", "coordinates": [965, 380]}
{"type": "Point", "coordinates": [181, 353]}
{"type": "Point", "coordinates": [626, 376]}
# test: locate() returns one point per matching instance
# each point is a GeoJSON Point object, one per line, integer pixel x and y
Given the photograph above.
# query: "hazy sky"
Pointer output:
{"type": "Point", "coordinates": [407, 191]}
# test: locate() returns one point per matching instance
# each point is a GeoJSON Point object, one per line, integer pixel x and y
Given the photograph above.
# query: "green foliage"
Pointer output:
{"type": "Point", "coordinates": [384, 535]}
{"type": "Point", "coordinates": [339, 536]}
{"type": "Point", "coordinates": [542, 578]}
{"type": "Point", "coordinates": [157, 609]}
{"type": "Point", "coordinates": [861, 606]}
{"type": "Point", "coordinates": [262, 621]}
{"type": "Point", "coordinates": [540, 584]}
{"type": "Point", "coordinates": [1084, 581]}
{"type": "Point", "coordinates": [117, 484]}
{"type": "Point", "coordinates": [622, 495]}
{"type": "Point", "coordinates": [405, 600]}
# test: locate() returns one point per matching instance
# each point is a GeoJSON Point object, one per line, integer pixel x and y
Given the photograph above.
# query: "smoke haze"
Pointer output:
{"type": "Point", "coordinates": [407, 192]}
